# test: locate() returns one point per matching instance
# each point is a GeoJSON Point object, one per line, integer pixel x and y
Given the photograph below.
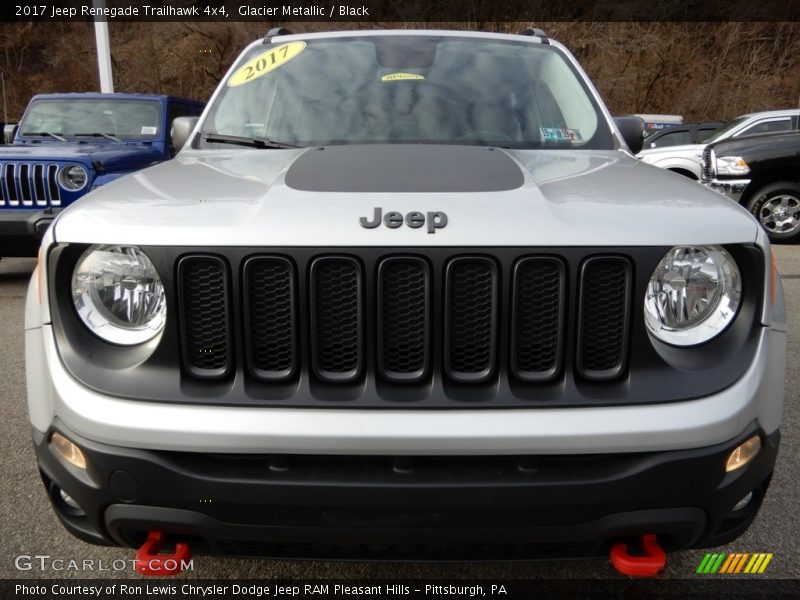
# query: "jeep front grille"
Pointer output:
{"type": "Point", "coordinates": [404, 320]}
{"type": "Point", "coordinates": [427, 328]}
{"type": "Point", "coordinates": [29, 184]}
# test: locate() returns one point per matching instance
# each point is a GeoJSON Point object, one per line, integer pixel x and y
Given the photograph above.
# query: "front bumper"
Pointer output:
{"type": "Point", "coordinates": [53, 393]}
{"type": "Point", "coordinates": [21, 230]}
{"type": "Point", "coordinates": [732, 188]}
{"type": "Point", "coordinates": [378, 507]}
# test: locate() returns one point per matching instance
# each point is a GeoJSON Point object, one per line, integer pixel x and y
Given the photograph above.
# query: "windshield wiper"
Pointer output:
{"type": "Point", "coordinates": [261, 143]}
{"type": "Point", "coordinates": [108, 136]}
{"type": "Point", "coordinates": [45, 134]}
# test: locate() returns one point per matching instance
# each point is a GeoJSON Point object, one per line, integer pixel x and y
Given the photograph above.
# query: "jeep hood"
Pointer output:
{"type": "Point", "coordinates": [111, 155]}
{"type": "Point", "coordinates": [492, 197]}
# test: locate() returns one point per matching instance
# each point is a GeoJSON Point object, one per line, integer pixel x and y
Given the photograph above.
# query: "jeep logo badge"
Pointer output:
{"type": "Point", "coordinates": [434, 219]}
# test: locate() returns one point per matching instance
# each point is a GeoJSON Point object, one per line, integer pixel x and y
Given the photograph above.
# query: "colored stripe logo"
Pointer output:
{"type": "Point", "coordinates": [737, 562]}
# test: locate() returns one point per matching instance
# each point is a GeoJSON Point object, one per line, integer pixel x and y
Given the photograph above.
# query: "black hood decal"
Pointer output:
{"type": "Point", "coordinates": [404, 168]}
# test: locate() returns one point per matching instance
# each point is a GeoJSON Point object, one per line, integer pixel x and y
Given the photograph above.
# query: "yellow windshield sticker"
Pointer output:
{"type": "Point", "coordinates": [402, 77]}
{"type": "Point", "coordinates": [265, 62]}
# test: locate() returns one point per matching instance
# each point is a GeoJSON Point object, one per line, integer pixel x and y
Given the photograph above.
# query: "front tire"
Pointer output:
{"type": "Point", "coordinates": [777, 208]}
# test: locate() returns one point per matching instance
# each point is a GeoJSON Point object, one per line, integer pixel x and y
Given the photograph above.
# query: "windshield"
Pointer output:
{"type": "Point", "coordinates": [723, 131]}
{"type": "Point", "coordinates": [122, 119]}
{"type": "Point", "coordinates": [407, 89]}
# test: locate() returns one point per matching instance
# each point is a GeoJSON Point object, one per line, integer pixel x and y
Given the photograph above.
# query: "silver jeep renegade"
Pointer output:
{"type": "Point", "coordinates": [406, 295]}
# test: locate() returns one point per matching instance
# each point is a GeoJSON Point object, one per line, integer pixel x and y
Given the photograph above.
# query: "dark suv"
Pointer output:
{"type": "Point", "coordinates": [694, 133]}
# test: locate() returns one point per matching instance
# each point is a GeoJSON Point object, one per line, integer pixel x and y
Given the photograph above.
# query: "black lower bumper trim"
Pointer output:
{"type": "Point", "coordinates": [678, 527]}
{"type": "Point", "coordinates": [434, 508]}
{"type": "Point", "coordinates": [21, 230]}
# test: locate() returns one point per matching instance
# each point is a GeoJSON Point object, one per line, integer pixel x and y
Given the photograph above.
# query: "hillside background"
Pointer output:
{"type": "Point", "coordinates": [704, 71]}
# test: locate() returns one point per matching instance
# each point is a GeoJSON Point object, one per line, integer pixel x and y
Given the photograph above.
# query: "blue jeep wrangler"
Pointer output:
{"type": "Point", "coordinates": [68, 144]}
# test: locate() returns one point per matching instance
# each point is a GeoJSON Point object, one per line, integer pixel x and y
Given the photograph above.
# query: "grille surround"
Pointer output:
{"type": "Point", "coordinates": [154, 372]}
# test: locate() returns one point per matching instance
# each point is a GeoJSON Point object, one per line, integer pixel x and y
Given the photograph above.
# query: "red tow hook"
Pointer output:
{"type": "Point", "coordinates": [150, 562]}
{"type": "Point", "coordinates": [648, 565]}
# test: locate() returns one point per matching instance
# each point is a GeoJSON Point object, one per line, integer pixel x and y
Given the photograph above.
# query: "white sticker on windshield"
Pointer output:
{"type": "Point", "coordinates": [149, 130]}
{"type": "Point", "coordinates": [560, 134]}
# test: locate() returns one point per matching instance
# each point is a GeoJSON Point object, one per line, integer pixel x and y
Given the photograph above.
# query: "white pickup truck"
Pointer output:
{"type": "Point", "coordinates": [687, 159]}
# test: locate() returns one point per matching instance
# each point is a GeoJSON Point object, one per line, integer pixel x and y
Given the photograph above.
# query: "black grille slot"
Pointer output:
{"type": "Point", "coordinates": [38, 184]}
{"type": "Point", "coordinates": [404, 299]}
{"type": "Point", "coordinates": [11, 184]}
{"type": "Point", "coordinates": [471, 306]}
{"type": "Point", "coordinates": [537, 318]}
{"type": "Point", "coordinates": [52, 185]}
{"type": "Point", "coordinates": [25, 184]}
{"type": "Point", "coordinates": [603, 317]}
{"type": "Point", "coordinates": [271, 317]}
{"type": "Point", "coordinates": [336, 318]}
{"type": "Point", "coordinates": [205, 316]}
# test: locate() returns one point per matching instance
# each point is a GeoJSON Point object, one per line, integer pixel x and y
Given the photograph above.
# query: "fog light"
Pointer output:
{"type": "Point", "coordinates": [68, 451]}
{"type": "Point", "coordinates": [743, 454]}
{"type": "Point", "coordinates": [743, 502]}
{"type": "Point", "coordinates": [66, 503]}
{"type": "Point", "coordinates": [68, 500]}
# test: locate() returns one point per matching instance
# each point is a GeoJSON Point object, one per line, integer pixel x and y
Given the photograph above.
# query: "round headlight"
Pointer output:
{"type": "Point", "coordinates": [119, 295]}
{"type": "Point", "coordinates": [73, 177]}
{"type": "Point", "coordinates": [693, 295]}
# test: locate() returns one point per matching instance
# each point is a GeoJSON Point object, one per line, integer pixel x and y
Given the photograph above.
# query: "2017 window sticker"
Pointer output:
{"type": "Point", "coordinates": [265, 62]}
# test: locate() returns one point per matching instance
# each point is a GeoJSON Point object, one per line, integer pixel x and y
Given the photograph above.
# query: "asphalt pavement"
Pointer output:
{"type": "Point", "coordinates": [29, 527]}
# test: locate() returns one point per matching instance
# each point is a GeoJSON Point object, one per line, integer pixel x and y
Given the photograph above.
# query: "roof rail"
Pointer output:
{"type": "Point", "coordinates": [536, 32]}
{"type": "Point", "coordinates": [274, 32]}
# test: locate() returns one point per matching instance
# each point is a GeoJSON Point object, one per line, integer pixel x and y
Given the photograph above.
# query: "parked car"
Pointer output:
{"type": "Point", "coordinates": [686, 159]}
{"type": "Point", "coordinates": [69, 144]}
{"type": "Point", "coordinates": [694, 133]}
{"type": "Point", "coordinates": [406, 295]}
{"type": "Point", "coordinates": [763, 174]}
{"type": "Point", "coordinates": [653, 123]}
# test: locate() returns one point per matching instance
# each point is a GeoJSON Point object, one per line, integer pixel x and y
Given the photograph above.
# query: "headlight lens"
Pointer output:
{"type": "Point", "coordinates": [73, 177]}
{"type": "Point", "coordinates": [693, 295]}
{"type": "Point", "coordinates": [119, 295]}
{"type": "Point", "coordinates": [732, 165]}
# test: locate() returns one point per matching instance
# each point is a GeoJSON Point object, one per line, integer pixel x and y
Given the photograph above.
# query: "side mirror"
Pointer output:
{"type": "Point", "coordinates": [632, 131]}
{"type": "Point", "coordinates": [182, 128]}
{"type": "Point", "coordinates": [9, 132]}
